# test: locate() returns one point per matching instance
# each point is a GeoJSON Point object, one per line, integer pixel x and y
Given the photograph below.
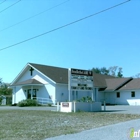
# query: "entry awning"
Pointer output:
{"type": "Point", "coordinates": [28, 82]}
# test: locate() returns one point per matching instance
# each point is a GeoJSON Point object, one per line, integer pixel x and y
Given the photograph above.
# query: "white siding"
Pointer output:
{"type": "Point", "coordinates": [124, 99]}
{"type": "Point", "coordinates": [36, 75]}
{"type": "Point", "coordinates": [100, 97]}
{"type": "Point", "coordinates": [20, 95]}
{"type": "Point", "coordinates": [62, 92]}
{"type": "Point", "coordinates": [45, 91]}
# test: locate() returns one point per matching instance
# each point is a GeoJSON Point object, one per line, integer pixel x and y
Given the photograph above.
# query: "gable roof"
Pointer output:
{"type": "Point", "coordinates": [59, 75]}
{"type": "Point", "coordinates": [133, 84]}
{"type": "Point", "coordinates": [99, 80]}
{"type": "Point", "coordinates": [116, 83]}
{"type": "Point", "coordinates": [28, 82]}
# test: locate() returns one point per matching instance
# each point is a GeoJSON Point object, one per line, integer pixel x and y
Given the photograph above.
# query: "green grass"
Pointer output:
{"type": "Point", "coordinates": [38, 125]}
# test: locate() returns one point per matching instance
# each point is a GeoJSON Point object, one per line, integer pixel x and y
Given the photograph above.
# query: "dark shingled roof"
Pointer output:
{"type": "Point", "coordinates": [28, 82]}
{"type": "Point", "coordinates": [104, 82]}
{"type": "Point", "coordinates": [58, 75]}
{"type": "Point", "coordinates": [134, 84]}
{"type": "Point", "coordinates": [99, 80]}
{"type": "Point", "coordinates": [116, 83]}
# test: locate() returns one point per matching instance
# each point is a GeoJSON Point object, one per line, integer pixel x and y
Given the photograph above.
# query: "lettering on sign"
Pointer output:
{"type": "Point", "coordinates": [81, 72]}
{"type": "Point", "coordinates": [80, 80]}
{"type": "Point", "coordinates": [65, 104]}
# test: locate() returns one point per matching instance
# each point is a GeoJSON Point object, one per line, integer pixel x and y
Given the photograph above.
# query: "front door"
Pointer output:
{"type": "Point", "coordinates": [31, 94]}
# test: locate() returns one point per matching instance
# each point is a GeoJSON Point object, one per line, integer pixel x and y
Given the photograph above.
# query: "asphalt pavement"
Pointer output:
{"type": "Point", "coordinates": [53, 108]}
{"type": "Point", "coordinates": [120, 131]}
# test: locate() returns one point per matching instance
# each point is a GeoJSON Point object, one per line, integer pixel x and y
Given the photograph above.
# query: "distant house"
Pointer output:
{"type": "Point", "coordinates": [2, 100]}
{"type": "Point", "coordinates": [50, 84]}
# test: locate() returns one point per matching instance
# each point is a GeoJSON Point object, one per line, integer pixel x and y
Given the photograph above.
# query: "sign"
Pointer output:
{"type": "Point", "coordinates": [80, 80]}
{"type": "Point", "coordinates": [81, 72]}
{"type": "Point", "coordinates": [65, 104]}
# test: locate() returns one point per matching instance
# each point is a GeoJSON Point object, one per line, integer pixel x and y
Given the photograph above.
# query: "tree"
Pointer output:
{"type": "Point", "coordinates": [137, 75]}
{"type": "Point", "coordinates": [0, 81]}
{"type": "Point", "coordinates": [113, 71]}
{"type": "Point", "coordinates": [120, 72]}
{"type": "Point", "coordinates": [4, 89]}
{"type": "Point", "coordinates": [102, 70]}
{"type": "Point", "coordinates": [96, 70]}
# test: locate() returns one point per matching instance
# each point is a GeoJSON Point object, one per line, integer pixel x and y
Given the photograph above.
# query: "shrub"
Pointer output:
{"type": "Point", "coordinates": [27, 102]}
{"type": "Point", "coordinates": [49, 104]}
{"type": "Point", "coordinates": [9, 100]}
{"type": "Point", "coordinates": [86, 99]}
{"type": "Point", "coordinates": [0, 100]}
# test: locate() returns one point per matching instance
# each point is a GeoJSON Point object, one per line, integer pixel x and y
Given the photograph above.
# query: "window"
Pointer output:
{"type": "Point", "coordinates": [72, 95]}
{"type": "Point", "coordinates": [76, 95]}
{"type": "Point", "coordinates": [133, 94]}
{"type": "Point", "coordinates": [118, 94]}
{"type": "Point", "coordinates": [31, 93]}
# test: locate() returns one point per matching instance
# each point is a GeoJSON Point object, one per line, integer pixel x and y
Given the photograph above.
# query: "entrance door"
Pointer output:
{"type": "Point", "coordinates": [31, 94]}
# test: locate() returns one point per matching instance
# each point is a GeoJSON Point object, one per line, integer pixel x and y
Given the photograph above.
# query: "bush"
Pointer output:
{"type": "Point", "coordinates": [0, 100]}
{"type": "Point", "coordinates": [9, 100]}
{"type": "Point", "coordinates": [86, 99]}
{"type": "Point", "coordinates": [49, 104]}
{"type": "Point", "coordinates": [27, 102]}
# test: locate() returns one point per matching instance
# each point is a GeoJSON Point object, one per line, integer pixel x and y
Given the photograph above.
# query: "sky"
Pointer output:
{"type": "Point", "coordinates": [108, 39]}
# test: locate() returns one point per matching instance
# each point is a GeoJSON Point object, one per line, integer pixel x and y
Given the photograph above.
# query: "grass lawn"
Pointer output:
{"type": "Point", "coordinates": [38, 125]}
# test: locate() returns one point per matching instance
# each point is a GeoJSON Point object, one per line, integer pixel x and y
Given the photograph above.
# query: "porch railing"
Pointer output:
{"type": "Point", "coordinates": [44, 101]}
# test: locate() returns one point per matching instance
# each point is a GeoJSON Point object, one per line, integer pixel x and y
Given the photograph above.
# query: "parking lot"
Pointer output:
{"type": "Point", "coordinates": [122, 109]}
{"type": "Point", "coordinates": [110, 109]}
{"type": "Point", "coordinates": [27, 108]}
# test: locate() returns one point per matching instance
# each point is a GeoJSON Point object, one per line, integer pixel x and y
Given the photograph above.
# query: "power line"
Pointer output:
{"type": "Point", "coordinates": [33, 16]}
{"type": "Point", "coordinates": [58, 28]}
{"type": "Point", "coordinates": [3, 2]}
{"type": "Point", "coordinates": [10, 6]}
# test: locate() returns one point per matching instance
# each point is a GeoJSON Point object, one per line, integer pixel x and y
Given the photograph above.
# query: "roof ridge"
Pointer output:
{"type": "Point", "coordinates": [46, 65]}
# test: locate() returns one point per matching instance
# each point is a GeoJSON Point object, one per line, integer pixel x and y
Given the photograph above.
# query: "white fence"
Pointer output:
{"type": "Point", "coordinates": [44, 101]}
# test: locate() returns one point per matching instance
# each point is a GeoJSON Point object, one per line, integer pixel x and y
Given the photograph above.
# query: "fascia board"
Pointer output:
{"type": "Point", "coordinates": [27, 85]}
{"type": "Point", "coordinates": [128, 90]}
{"type": "Point", "coordinates": [42, 73]}
{"type": "Point", "coordinates": [19, 75]}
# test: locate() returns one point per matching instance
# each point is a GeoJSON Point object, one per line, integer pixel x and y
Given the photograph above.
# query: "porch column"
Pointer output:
{"type": "Point", "coordinates": [14, 101]}
{"type": "Point", "coordinates": [31, 92]}
{"type": "Point", "coordinates": [92, 95]}
{"type": "Point", "coordinates": [96, 94]}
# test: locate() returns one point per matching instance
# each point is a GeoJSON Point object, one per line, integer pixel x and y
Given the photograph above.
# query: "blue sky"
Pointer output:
{"type": "Point", "coordinates": [107, 39]}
